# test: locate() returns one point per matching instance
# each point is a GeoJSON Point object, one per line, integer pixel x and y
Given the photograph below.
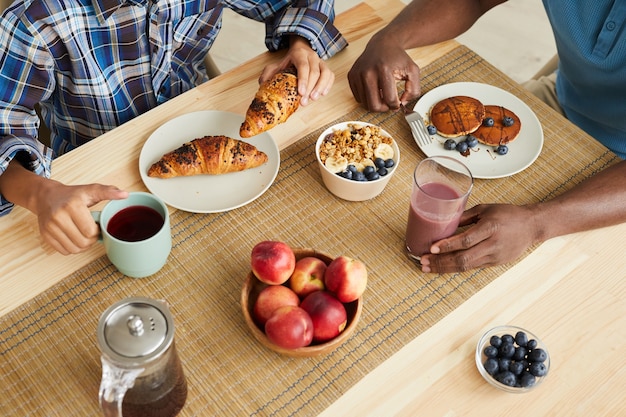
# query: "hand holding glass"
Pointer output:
{"type": "Point", "coordinates": [441, 187]}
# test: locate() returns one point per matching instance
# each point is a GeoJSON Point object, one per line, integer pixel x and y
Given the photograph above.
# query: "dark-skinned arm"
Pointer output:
{"type": "Point", "coordinates": [500, 233]}
{"type": "Point", "coordinates": [384, 62]}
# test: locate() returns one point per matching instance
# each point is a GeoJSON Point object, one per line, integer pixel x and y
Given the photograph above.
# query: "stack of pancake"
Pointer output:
{"type": "Point", "coordinates": [461, 115]}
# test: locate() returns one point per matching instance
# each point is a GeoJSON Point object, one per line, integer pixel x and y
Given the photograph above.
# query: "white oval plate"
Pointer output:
{"type": "Point", "coordinates": [207, 193]}
{"type": "Point", "coordinates": [484, 162]}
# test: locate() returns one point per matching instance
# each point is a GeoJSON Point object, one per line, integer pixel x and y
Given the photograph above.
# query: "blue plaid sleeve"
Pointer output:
{"type": "Point", "coordinates": [22, 74]}
{"type": "Point", "coordinates": [311, 19]}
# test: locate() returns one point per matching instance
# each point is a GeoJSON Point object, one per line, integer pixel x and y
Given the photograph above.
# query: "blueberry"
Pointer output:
{"type": "Point", "coordinates": [346, 174]}
{"type": "Point", "coordinates": [449, 145]}
{"type": "Point", "coordinates": [504, 363]}
{"type": "Point", "coordinates": [527, 380]}
{"type": "Point", "coordinates": [382, 171]}
{"type": "Point", "coordinates": [520, 353]}
{"type": "Point", "coordinates": [495, 341]}
{"type": "Point", "coordinates": [517, 368]}
{"type": "Point", "coordinates": [538, 369]}
{"type": "Point", "coordinates": [372, 176]}
{"type": "Point", "coordinates": [502, 149]}
{"type": "Point", "coordinates": [432, 130]}
{"type": "Point", "coordinates": [508, 121]}
{"type": "Point", "coordinates": [352, 168]}
{"type": "Point", "coordinates": [389, 163]}
{"type": "Point", "coordinates": [461, 146]}
{"type": "Point", "coordinates": [521, 338]}
{"type": "Point", "coordinates": [507, 339]}
{"type": "Point", "coordinates": [368, 170]}
{"type": "Point", "coordinates": [507, 350]}
{"type": "Point", "coordinates": [488, 121]}
{"type": "Point", "coordinates": [537, 355]}
{"type": "Point", "coordinates": [532, 344]}
{"type": "Point", "coordinates": [491, 351]}
{"type": "Point", "coordinates": [379, 162]}
{"type": "Point", "coordinates": [491, 366]}
{"type": "Point", "coordinates": [358, 176]}
{"type": "Point", "coordinates": [472, 141]}
{"type": "Point", "coordinates": [507, 378]}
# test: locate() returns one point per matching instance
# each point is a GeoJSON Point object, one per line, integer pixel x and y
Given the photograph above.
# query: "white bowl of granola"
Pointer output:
{"type": "Point", "coordinates": [356, 159]}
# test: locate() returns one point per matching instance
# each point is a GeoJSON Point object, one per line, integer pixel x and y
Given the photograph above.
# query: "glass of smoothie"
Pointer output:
{"type": "Point", "coordinates": [441, 186]}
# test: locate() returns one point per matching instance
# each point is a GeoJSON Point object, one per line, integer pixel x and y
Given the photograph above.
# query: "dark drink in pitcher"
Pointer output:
{"type": "Point", "coordinates": [158, 395]}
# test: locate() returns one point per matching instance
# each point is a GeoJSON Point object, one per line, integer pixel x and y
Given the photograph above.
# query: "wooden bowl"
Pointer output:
{"type": "Point", "coordinates": [250, 291]}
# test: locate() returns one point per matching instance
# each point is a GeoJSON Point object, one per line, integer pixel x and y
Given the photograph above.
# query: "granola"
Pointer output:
{"type": "Point", "coordinates": [357, 144]}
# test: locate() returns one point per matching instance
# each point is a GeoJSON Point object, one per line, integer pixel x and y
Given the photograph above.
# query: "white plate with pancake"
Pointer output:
{"type": "Point", "coordinates": [483, 161]}
{"type": "Point", "coordinates": [207, 193]}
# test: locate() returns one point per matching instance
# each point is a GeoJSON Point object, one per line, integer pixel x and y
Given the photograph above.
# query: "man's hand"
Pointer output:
{"type": "Point", "coordinates": [374, 76]}
{"type": "Point", "coordinates": [498, 233]}
{"type": "Point", "coordinates": [314, 77]}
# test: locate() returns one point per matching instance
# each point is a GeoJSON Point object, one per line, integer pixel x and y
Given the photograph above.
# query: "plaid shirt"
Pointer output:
{"type": "Point", "coordinates": [95, 64]}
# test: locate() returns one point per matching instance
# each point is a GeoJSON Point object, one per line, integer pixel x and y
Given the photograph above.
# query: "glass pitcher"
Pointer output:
{"type": "Point", "coordinates": [141, 372]}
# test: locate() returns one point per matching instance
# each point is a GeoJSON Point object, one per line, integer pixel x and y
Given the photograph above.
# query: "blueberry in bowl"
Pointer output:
{"type": "Point", "coordinates": [512, 359]}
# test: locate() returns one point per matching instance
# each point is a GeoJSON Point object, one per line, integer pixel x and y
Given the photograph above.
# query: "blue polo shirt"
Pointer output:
{"type": "Point", "coordinates": [591, 82]}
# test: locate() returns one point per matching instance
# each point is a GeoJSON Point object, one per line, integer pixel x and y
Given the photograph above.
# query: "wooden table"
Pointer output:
{"type": "Point", "coordinates": [570, 290]}
{"type": "Point", "coordinates": [27, 267]}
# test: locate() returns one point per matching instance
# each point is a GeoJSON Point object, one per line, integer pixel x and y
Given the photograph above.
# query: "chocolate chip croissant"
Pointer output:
{"type": "Point", "coordinates": [273, 103]}
{"type": "Point", "coordinates": [208, 155]}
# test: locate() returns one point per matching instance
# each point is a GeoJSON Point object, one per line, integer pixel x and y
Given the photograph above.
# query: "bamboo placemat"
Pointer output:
{"type": "Point", "coordinates": [50, 363]}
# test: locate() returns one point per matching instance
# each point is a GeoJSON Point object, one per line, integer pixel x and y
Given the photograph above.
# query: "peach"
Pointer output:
{"type": "Point", "coordinates": [327, 313]}
{"type": "Point", "coordinates": [308, 276]}
{"type": "Point", "coordinates": [346, 278]}
{"type": "Point", "coordinates": [290, 327]}
{"type": "Point", "coordinates": [272, 262]}
{"type": "Point", "coordinates": [271, 298]}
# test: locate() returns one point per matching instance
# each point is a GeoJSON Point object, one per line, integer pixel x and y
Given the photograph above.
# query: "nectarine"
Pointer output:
{"type": "Point", "coordinates": [290, 327]}
{"type": "Point", "coordinates": [327, 313]}
{"type": "Point", "coordinates": [272, 262]}
{"type": "Point", "coordinates": [271, 298]}
{"type": "Point", "coordinates": [308, 276]}
{"type": "Point", "coordinates": [346, 278]}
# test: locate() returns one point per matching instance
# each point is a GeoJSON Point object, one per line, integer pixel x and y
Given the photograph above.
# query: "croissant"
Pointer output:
{"type": "Point", "coordinates": [273, 103]}
{"type": "Point", "coordinates": [208, 155]}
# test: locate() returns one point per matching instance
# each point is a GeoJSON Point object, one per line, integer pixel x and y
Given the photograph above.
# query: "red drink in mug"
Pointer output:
{"type": "Point", "coordinates": [441, 187]}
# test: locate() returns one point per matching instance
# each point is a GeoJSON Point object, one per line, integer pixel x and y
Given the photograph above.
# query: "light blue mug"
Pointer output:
{"type": "Point", "coordinates": [136, 233]}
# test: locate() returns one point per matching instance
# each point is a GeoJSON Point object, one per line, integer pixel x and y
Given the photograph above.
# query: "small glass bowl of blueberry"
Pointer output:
{"type": "Point", "coordinates": [512, 359]}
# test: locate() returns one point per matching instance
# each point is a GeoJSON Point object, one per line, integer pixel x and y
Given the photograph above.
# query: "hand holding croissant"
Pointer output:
{"type": "Point", "coordinates": [275, 101]}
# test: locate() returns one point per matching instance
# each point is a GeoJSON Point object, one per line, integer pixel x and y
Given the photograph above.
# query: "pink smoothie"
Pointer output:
{"type": "Point", "coordinates": [434, 214]}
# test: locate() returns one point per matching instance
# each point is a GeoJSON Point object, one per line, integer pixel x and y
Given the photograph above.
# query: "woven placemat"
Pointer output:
{"type": "Point", "coordinates": [49, 359]}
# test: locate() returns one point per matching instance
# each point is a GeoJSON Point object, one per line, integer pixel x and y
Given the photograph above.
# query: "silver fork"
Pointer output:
{"type": "Point", "coordinates": [417, 125]}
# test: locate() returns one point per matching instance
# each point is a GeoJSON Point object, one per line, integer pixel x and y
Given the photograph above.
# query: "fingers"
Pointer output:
{"type": "Point", "coordinates": [376, 91]}
{"type": "Point", "coordinates": [269, 71]}
{"type": "Point", "coordinates": [497, 233]}
{"type": "Point", "coordinates": [412, 86]}
{"type": "Point", "coordinates": [375, 84]}
{"type": "Point", "coordinates": [69, 232]}
{"type": "Point", "coordinates": [66, 223]}
{"type": "Point", "coordinates": [97, 192]}
{"type": "Point", "coordinates": [315, 78]}
{"type": "Point", "coordinates": [457, 261]}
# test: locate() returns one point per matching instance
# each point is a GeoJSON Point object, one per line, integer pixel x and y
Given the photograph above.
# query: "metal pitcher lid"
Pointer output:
{"type": "Point", "coordinates": [135, 329]}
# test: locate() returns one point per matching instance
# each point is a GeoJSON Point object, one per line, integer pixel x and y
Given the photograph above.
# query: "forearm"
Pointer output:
{"type": "Point", "coordinates": [426, 22]}
{"type": "Point", "coordinates": [597, 202]}
{"type": "Point", "coordinates": [20, 186]}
